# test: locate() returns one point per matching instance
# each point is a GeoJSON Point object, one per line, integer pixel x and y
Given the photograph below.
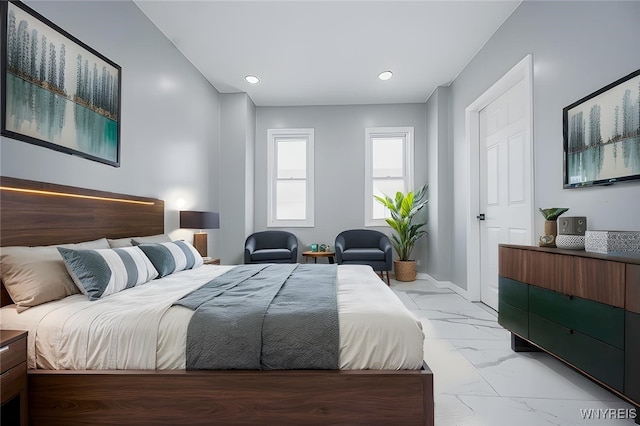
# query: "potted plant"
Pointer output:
{"type": "Point", "coordinates": [550, 225]}
{"type": "Point", "coordinates": [403, 209]}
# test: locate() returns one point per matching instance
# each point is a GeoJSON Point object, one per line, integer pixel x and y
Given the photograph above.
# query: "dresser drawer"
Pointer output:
{"type": "Point", "coordinates": [513, 305]}
{"type": "Point", "coordinates": [632, 357]}
{"type": "Point", "coordinates": [513, 293]}
{"type": "Point", "coordinates": [13, 353]}
{"type": "Point", "coordinates": [599, 280]}
{"type": "Point", "coordinates": [600, 360]}
{"type": "Point", "coordinates": [13, 381]}
{"type": "Point", "coordinates": [513, 319]}
{"type": "Point", "coordinates": [594, 319]}
{"type": "Point", "coordinates": [632, 300]}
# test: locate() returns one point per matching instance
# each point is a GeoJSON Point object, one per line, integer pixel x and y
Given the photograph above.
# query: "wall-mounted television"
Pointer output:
{"type": "Point", "coordinates": [602, 135]}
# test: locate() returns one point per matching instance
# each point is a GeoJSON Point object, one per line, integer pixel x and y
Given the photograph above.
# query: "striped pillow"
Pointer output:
{"type": "Point", "coordinates": [99, 273]}
{"type": "Point", "coordinates": [172, 257]}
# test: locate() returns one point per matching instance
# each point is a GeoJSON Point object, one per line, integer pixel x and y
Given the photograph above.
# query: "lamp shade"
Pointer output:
{"type": "Point", "coordinates": [199, 220]}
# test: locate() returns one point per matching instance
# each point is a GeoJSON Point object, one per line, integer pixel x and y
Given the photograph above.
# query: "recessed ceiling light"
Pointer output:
{"type": "Point", "coordinates": [252, 79]}
{"type": "Point", "coordinates": [385, 75]}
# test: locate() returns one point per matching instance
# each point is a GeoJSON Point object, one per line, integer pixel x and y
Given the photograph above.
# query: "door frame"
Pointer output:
{"type": "Point", "coordinates": [521, 71]}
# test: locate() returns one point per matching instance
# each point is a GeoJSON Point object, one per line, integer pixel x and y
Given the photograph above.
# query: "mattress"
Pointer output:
{"type": "Point", "coordinates": [140, 329]}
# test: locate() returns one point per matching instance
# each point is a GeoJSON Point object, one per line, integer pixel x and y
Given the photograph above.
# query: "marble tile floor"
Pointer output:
{"type": "Point", "coordinates": [480, 381]}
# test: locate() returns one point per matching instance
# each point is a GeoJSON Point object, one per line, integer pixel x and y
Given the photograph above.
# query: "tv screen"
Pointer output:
{"type": "Point", "coordinates": [602, 135]}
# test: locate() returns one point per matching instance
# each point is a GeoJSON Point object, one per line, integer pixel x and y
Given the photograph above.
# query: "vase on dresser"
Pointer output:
{"type": "Point", "coordinates": [550, 233]}
{"type": "Point", "coordinates": [571, 232]}
{"type": "Point", "coordinates": [548, 239]}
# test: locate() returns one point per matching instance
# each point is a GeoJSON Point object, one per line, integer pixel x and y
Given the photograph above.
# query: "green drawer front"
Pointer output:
{"type": "Point", "coordinates": [513, 293]}
{"type": "Point", "coordinates": [632, 358]}
{"type": "Point", "coordinates": [602, 361]}
{"type": "Point", "coordinates": [513, 319]}
{"type": "Point", "coordinates": [600, 321]}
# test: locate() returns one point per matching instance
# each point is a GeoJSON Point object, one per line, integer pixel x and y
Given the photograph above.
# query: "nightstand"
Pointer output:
{"type": "Point", "coordinates": [13, 363]}
{"type": "Point", "coordinates": [215, 261]}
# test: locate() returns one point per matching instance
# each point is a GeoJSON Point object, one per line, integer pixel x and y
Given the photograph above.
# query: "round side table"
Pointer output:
{"type": "Point", "coordinates": [316, 254]}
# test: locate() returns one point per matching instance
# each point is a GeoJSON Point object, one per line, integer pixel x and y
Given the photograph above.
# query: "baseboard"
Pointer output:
{"type": "Point", "coordinates": [446, 284]}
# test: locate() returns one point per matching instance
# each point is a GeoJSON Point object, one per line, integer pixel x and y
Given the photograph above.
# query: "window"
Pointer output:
{"type": "Point", "coordinates": [290, 179]}
{"type": "Point", "coordinates": [389, 160]}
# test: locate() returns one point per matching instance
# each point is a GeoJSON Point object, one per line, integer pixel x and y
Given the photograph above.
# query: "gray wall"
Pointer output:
{"type": "Point", "coordinates": [440, 173]}
{"type": "Point", "coordinates": [169, 124]}
{"type": "Point", "coordinates": [250, 143]}
{"type": "Point", "coordinates": [171, 145]}
{"type": "Point", "coordinates": [577, 48]}
{"type": "Point", "coordinates": [237, 133]}
{"type": "Point", "coordinates": [339, 163]}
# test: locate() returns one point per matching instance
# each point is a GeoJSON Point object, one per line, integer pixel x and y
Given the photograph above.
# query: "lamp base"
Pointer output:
{"type": "Point", "coordinates": [200, 243]}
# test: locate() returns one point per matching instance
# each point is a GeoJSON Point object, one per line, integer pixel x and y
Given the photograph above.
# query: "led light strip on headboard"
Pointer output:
{"type": "Point", "coordinates": [66, 194]}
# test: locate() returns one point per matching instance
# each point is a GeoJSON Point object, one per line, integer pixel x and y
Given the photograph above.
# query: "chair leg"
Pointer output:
{"type": "Point", "coordinates": [381, 275]}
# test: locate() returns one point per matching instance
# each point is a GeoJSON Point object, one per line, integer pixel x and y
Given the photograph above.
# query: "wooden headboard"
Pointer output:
{"type": "Point", "coordinates": [38, 213]}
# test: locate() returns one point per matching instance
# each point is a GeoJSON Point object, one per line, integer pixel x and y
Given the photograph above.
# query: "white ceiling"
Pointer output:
{"type": "Point", "coordinates": [329, 52]}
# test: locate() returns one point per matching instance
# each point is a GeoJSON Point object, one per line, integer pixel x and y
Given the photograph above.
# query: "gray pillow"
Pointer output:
{"type": "Point", "coordinates": [172, 257]}
{"type": "Point", "coordinates": [129, 241]}
{"type": "Point", "coordinates": [99, 273]}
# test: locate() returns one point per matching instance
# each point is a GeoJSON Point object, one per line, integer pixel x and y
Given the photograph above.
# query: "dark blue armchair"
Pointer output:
{"type": "Point", "coordinates": [365, 247]}
{"type": "Point", "coordinates": [271, 247]}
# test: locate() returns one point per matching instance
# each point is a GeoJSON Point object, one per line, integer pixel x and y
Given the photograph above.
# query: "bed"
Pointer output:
{"type": "Point", "coordinates": [66, 391]}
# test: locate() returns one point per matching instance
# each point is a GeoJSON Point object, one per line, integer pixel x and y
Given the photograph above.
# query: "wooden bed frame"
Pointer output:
{"type": "Point", "coordinates": [37, 213]}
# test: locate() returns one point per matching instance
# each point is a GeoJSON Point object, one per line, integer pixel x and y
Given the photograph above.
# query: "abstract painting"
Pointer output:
{"type": "Point", "coordinates": [57, 92]}
{"type": "Point", "coordinates": [602, 135]}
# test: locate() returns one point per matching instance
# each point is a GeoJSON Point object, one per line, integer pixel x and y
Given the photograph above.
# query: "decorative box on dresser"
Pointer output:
{"type": "Point", "coordinates": [13, 382]}
{"type": "Point", "coordinates": [583, 308]}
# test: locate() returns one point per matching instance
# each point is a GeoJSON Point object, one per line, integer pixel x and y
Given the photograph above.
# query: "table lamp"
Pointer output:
{"type": "Point", "coordinates": [200, 221]}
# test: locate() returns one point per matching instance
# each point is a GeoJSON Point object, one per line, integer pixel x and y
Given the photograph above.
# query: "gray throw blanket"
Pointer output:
{"type": "Point", "coordinates": [265, 317]}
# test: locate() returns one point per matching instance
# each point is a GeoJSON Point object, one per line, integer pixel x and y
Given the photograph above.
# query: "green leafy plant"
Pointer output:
{"type": "Point", "coordinates": [552, 214]}
{"type": "Point", "coordinates": [403, 208]}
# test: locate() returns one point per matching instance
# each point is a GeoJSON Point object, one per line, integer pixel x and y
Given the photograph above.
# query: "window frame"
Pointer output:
{"type": "Point", "coordinates": [273, 135]}
{"type": "Point", "coordinates": [407, 134]}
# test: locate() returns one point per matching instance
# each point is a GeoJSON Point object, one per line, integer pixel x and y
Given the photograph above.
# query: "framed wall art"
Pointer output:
{"type": "Point", "coordinates": [602, 135]}
{"type": "Point", "coordinates": [57, 92]}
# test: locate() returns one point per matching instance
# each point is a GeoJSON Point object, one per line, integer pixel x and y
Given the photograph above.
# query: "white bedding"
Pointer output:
{"type": "Point", "coordinates": [139, 329]}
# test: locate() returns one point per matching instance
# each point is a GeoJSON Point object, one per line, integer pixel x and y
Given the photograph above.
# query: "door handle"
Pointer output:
{"type": "Point", "coordinates": [480, 216]}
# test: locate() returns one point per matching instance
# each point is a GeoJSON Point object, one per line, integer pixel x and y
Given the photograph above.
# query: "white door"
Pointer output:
{"type": "Point", "coordinates": [505, 187]}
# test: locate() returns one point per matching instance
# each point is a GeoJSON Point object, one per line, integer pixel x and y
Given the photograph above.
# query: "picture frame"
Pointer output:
{"type": "Point", "coordinates": [601, 135]}
{"type": "Point", "coordinates": [57, 92]}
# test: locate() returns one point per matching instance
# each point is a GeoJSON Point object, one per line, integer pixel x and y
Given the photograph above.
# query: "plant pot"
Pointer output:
{"type": "Point", "coordinates": [405, 270]}
{"type": "Point", "coordinates": [550, 233]}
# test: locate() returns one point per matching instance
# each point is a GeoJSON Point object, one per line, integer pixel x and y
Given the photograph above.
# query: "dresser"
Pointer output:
{"type": "Point", "coordinates": [13, 382]}
{"type": "Point", "coordinates": [583, 308]}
